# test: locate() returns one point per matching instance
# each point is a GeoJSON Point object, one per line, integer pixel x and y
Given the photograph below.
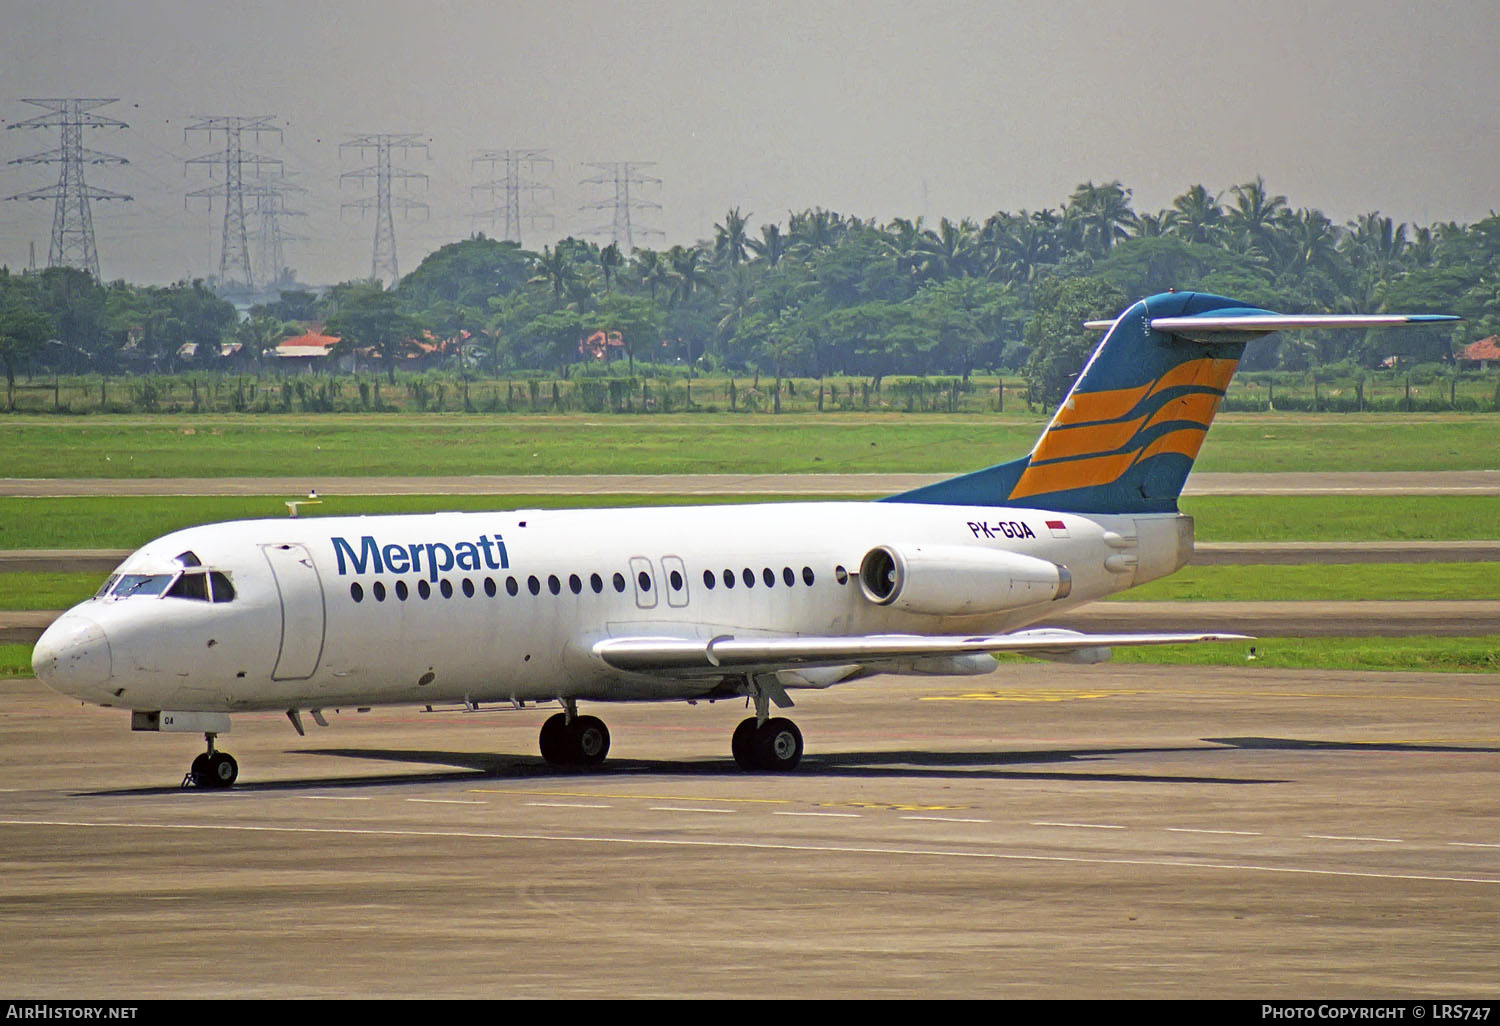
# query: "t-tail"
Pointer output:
{"type": "Point", "coordinates": [1126, 436]}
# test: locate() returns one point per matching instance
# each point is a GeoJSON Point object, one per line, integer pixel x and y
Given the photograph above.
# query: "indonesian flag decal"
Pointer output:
{"type": "Point", "coordinates": [1058, 528]}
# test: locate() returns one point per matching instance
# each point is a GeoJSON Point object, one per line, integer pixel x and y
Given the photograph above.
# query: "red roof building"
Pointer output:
{"type": "Point", "coordinates": [1482, 352]}
{"type": "Point", "coordinates": [306, 345]}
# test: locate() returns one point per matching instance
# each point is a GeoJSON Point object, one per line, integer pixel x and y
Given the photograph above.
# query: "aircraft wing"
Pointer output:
{"type": "Point", "coordinates": [693, 657]}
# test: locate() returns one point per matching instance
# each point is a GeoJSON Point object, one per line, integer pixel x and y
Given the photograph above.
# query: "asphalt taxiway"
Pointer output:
{"type": "Point", "coordinates": [1046, 831]}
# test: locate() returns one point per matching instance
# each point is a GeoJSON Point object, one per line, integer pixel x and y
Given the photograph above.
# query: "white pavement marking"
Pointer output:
{"type": "Point", "coordinates": [940, 853]}
{"type": "Point", "coordinates": [1082, 826]}
{"type": "Point", "coordinates": [567, 805]}
{"type": "Point", "coordinates": [1196, 830]}
{"type": "Point", "coordinates": [446, 801]}
{"type": "Point", "coordinates": [335, 798]}
{"type": "Point", "coordinates": [1340, 837]}
{"type": "Point", "coordinates": [678, 808]}
{"type": "Point", "coordinates": [947, 819]}
{"type": "Point", "coordinates": [828, 815]}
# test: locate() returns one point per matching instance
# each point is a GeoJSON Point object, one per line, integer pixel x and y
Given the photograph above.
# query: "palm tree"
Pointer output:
{"type": "Point", "coordinates": [610, 261]}
{"type": "Point", "coordinates": [1310, 243]}
{"type": "Point", "coordinates": [771, 246]}
{"type": "Point", "coordinates": [1102, 214]}
{"type": "Point", "coordinates": [687, 272]}
{"type": "Point", "coordinates": [554, 267]}
{"type": "Point", "coordinates": [1257, 218]}
{"type": "Point", "coordinates": [651, 271]}
{"type": "Point", "coordinates": [1195, 216]}
{"type": "Point", "coordinates": [948, 252]}
{"type": "Point", "coordinates": [730, 244]}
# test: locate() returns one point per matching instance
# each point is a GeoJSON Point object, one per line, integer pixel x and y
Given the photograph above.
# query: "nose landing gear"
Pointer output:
{"type": "Point", "coordinates": [216, 770]}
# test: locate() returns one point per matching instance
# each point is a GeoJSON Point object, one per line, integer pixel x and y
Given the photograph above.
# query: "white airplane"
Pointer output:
{"type": "Point", "coordinates": [687, 604]}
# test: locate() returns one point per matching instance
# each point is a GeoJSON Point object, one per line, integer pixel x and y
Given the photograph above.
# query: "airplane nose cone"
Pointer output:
{"type": "Point", "coordinates": [72, 653]}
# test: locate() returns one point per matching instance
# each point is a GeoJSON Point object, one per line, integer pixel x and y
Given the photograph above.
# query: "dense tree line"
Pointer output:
{"type": "Point", "coordinates": [824, 293]}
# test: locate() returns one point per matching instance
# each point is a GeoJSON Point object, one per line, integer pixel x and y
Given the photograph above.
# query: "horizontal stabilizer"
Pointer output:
{"type": "Point", "coordinates": [693, 657]}
{"type": "Point", "coordinates": [1220, 326]}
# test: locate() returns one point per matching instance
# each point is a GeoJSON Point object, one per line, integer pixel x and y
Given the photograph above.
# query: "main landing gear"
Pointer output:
{"type": "Point", "coordinates": [212, 769]}
{"type": "Point", "coordinates": [763, 742]}
{"type": "Point", "coordinates": [774, 746]}
{"type": "Point", "coordinates": [568, 739]}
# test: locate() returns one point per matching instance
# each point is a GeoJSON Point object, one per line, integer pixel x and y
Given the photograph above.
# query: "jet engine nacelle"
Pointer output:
{"type": "Point", "coordinates": [957, 581]}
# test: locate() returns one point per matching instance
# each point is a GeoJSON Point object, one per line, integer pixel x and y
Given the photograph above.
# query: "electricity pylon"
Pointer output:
{"type": "Point", "coordinates": [235, 271]}
{"type": "Point", "coordinates": [383, 258]}
{"type": "Point", "coordinates": [514, 185]}
{"type": "Point", "coordinates": [72, 221]}
{"type": "Point", "coordinates": [623, 174]}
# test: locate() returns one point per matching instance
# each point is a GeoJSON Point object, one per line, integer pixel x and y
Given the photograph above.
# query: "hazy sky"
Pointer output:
{"type": "Point", "coordinates": [868, 107]}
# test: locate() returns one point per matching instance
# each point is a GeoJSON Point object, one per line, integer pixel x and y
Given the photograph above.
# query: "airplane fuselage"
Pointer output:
{"type": "Point", "coordinates": [508, 606]}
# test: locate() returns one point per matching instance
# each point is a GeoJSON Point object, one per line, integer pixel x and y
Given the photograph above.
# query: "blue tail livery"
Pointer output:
{"type": "Point", "coordinates": [1126, 436]}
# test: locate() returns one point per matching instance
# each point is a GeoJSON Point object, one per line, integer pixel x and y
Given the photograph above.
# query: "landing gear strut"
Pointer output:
{"type": "Point", "coordinates": [568, 739]}
{"type": "Point", "coordinates": [212, 769]}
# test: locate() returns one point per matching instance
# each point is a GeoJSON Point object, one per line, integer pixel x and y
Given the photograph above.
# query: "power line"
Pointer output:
{"type": "Point", "coordinates": [72, 221]}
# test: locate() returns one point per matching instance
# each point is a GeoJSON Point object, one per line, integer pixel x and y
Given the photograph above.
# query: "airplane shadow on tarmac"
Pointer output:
{"type": "Point", "coordinates": [466, 767]}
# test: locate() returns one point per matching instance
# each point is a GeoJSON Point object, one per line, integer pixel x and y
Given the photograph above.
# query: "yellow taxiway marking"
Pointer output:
{"type": "Point", "coordinates": [1027, 695]}
{"type": "Point", "coordinates": [634, 797]}
{"type": "Point", "coordinates": [1074, 694]}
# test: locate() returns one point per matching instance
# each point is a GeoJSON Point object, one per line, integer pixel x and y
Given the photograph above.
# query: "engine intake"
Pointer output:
{"type": "Point", "coordinates": [958, 581]}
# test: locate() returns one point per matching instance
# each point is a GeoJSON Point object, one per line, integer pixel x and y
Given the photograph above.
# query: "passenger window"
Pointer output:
{"type": "Point", "coordinates": [807, 576]}
{"type": "Point", "coordinates": [596, 582]}
{"type": "Point", "coordinates": [446, 587]}
{"type": "Point", "coordinates": [749, 577]}
{"type": "Point", "coordinates": [676, 579]}
{"type": "Point", "coordinates": [468, 588]}
{"type": "Point", "coordinates": [575, 584]}
{"type": "Point", "coordinates": [769, 576]}
{"type": "Point", "coordinates": [619, 582]}
{"type": "Point", "coordinates": [729, 578]}
{"type": "Point", "coordinates": [708, 579]}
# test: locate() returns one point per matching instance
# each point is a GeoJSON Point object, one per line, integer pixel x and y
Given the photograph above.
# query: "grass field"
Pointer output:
{"type": "Point", "coordinates": [118, 522]}
{"type": "Point", "coordinates": [300, 447]}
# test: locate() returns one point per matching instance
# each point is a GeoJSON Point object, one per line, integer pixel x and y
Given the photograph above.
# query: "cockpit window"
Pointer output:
{"type": "Point", "coordinates": [141, 584]}
{"type": "Point", "coordinates": [191, 586]}
{"type": "Point", "coordinates": [223, 590]}
{"type": "Point", "coordinates": [189, 558]}
{"type": "Point", "coordinates": [104, 589]}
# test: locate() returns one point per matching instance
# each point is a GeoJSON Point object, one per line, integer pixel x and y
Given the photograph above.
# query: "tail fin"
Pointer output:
{"type": "Point", "coordinates": [1126, 436]}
